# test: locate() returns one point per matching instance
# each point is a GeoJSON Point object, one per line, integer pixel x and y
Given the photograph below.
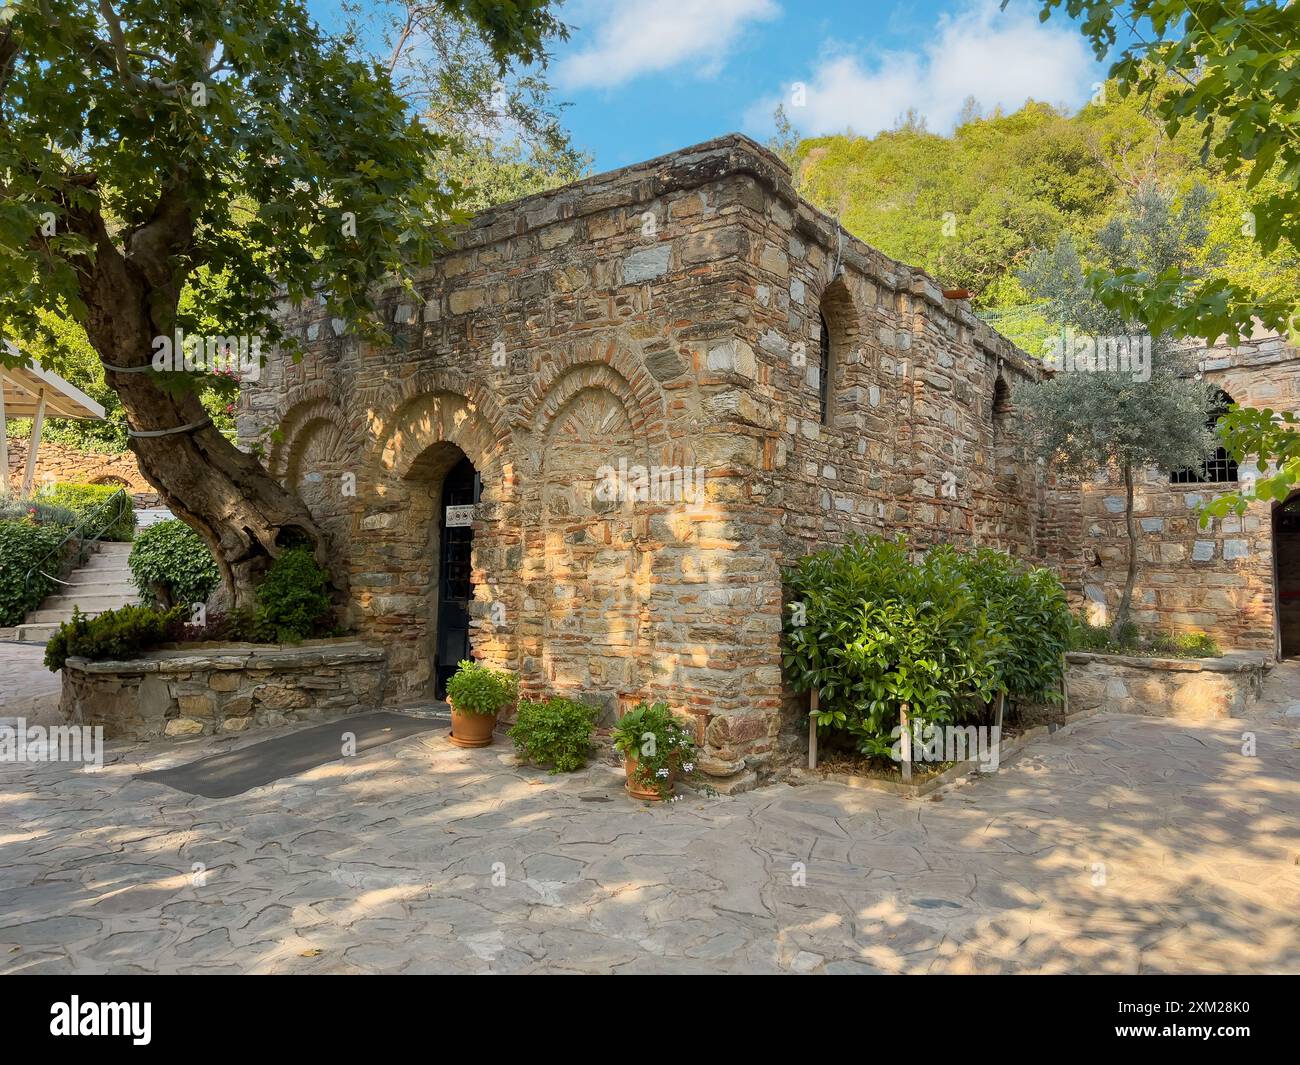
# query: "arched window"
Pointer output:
{"type": "Point", "coordinates": [1001, 409]}
{"type": "Point", "coordinates": [1219, 467]}
{"type": "Point", "coordinates": [837, 321]}
{"type": "Point", "coordinates": [824, 373]}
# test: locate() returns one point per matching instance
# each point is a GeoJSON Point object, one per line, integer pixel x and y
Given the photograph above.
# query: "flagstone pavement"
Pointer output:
{"type": "Point", "coordinates": [1126, 844]}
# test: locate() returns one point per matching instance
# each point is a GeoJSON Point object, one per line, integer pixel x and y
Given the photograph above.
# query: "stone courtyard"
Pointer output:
{"type": "Point", "coordinates": [1123, 844]}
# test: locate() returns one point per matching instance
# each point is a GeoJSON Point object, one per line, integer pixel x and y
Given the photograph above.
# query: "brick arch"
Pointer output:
{"type": "Point", "coordinates": [837, 305]}
{"type": "Point", "coordinates": [605, 365]}
{"type": "Point", "coordinates": [306, 418]}
{"type": "Point", "coordinates": [431, 418]}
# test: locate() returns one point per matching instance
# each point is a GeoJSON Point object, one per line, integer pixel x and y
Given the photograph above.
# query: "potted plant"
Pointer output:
{"type": "Point", "coordinates": [656, 749]}
{"type": "Point", "coordinates": [476, 694]}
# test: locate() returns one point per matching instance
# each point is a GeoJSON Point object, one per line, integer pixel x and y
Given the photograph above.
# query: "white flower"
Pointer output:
{"type": "Point", "coordinates": [661, 773]}
{"type": "Point", "coordinates": [688, 767]}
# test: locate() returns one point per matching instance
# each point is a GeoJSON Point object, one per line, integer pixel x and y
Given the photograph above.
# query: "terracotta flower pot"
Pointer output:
{"type": "Point", "coordinates": [638, 790]}
{"type": "Point", "coordinates": [471, 730]}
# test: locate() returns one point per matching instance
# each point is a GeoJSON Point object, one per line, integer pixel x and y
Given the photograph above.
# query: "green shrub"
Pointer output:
{"type": "Point", "coordinates": [557, 731]}
{"type": "Point", "coordinates": [292, 601]}
{"type": "Point", "coordinates": [1028, 608]}
{"type": "Point", "coordinates": [115, 634]}
{"type": "Point", "coordinates": [171, 564]}
{"type": "Point", "coordinates": [37, 510]}
{"type": "Point", "coordinates": [662, 746]}
{"type": "Point", "coordinates": [476, 689]}
{"type": "Point", "coordinates": [88, 500]}
{"type": "Point", "coordinates": [23, 546]}
{"type": "Point", "coordinates": [1186, 645]}
{"type": "Point", "coordinates": [870, 629]}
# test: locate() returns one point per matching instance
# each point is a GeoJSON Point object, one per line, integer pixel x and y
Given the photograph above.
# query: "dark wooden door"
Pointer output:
{"type": "Point", "coordinates": [455, 589]}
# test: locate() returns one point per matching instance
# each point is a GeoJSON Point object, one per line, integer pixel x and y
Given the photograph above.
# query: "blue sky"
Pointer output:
{"type": "Point", "coordinates": [644, 77]}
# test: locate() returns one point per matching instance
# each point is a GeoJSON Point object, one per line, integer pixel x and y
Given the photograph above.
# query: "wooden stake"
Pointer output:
{"type": "Point", "coordinates": [815, 702]}
{"type": "Point", "coordinates": [907, 742]}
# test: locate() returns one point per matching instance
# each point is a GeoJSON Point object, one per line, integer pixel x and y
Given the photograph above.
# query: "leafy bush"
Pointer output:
{"type": "Point", "coordinates": [24, 545]}
{"type": "Point", "coordinates": [1028, 608]}
{"type": "Point", "coordinates": [1096, 638]}
{"type": "Point", "coordinates": [476, 689]}
{"type": "Point", "coordinates": [124, 633]}
{"type": "Point", "coordinates": [662, 746]}
{"type": "Point", "coordinates": [292, 600]}
{"type": "Point", "coordinates": [37, 510]}
{"type": "Point", "coordinates": [87, 500]}
{"type": "Point", "coordinates": [1085, 636]}
{"type": "Point", "coordinates": [1186, 645]}
{"type": "Point", "coordinates": [171, 564]}
{"type": "Point", "coordinates": [871, 629]}
{"type": "Point", "coordinates": [557, 731]}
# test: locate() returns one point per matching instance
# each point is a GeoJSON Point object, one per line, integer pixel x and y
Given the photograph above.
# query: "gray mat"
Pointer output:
{"type": "Point", "coordinates": [221, 775]}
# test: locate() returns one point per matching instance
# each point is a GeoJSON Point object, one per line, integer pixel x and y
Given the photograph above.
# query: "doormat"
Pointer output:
{"type": "Point", "coordinates": [220, 776]}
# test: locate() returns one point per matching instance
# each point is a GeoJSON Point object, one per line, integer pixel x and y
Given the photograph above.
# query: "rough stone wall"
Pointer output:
{"type": "Point", "coordinates": [67, 465]}
{"type": "Point", "coordinates": [203, 691]}
{"type": "Point", "coordinates": [647, 318]}
{"type": "Point", "coordinates": [1187, 689]}
{"type": "Point", "coordinates": [1217, 578]}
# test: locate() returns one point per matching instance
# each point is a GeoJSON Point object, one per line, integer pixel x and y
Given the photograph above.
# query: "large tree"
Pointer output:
{"type": "Point", "coordinates": [1237, 85]}
{"type": "Point", "coordinates": [230, 149]}
{"type": "Point", "coordinates": [1091, 417]}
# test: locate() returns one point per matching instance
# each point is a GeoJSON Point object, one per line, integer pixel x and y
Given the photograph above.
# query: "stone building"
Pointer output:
{"type": "Point", "coordinates": [618, 409]}
{"type": "Point", "coordinates": [1238, 577]}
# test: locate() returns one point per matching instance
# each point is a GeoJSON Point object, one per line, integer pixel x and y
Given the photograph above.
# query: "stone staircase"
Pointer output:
{"type": "Point", "coordinates": [102, 583]}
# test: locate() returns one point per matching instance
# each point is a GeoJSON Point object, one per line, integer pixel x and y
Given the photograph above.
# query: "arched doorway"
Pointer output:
{"type": "Point", "coordinates": [1286, 574]}
{"type": "Point", "coordinates": [461, 489]}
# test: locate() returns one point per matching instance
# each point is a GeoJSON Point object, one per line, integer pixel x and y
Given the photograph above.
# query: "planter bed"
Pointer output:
{"type": "Point", "coordinates": [204, 688]}
{"type": "Point", "coordinates": [925, 783]}
{"type": "Point", "coordinates": [1192, 689]}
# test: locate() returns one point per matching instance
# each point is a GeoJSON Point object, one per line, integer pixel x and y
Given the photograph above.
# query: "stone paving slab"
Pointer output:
{"type": "Point", "coordinates": [220, 776]}
{"type": "Point", "coordinates": [1130, 844]}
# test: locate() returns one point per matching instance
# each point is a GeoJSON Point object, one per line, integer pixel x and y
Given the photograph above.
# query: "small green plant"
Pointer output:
{"type": "Point", "coordinates": [557, 731]}
{"type": "Point", "coordinates": [293, 601]}
{"type": "Point", "coordinates": [476, 689]}
{"type": "Point", "coordinates": [24, 545]}
{"type": "Point", "coordinates": [660, 744]}
{"type": "Point", "coordinates": [171, 565]}
{"type": "Point", "coordinates": [88, 501]}
{"type": "Point", "coordinates": [1186, 645]}
{"type": "Point", "coordinates": [124, 633]}
{"type": "Point", "coordinates": [36, 510]}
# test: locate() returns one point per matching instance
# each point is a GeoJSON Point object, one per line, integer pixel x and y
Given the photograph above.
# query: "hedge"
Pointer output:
{"type": "Point", "coordinates": [171, 564]}
{"type": "Point", "coordinates": [84, 499]}
{"type": "Point", "coordinates": [23, 545]}
{"type": "Point", "coordinates": [869, 628]}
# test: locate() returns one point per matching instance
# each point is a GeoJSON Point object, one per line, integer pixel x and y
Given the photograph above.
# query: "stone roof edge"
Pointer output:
{"type": "Point", "coordinates": [706, 163]}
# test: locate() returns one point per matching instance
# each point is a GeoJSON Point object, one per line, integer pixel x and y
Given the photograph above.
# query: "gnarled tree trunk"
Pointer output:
{"type": "Point", "coordinates": [226, 495]}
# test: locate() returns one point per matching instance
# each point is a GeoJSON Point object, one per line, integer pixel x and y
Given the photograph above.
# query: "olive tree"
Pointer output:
{"type": "Point", "coordinates": [1120, 400]}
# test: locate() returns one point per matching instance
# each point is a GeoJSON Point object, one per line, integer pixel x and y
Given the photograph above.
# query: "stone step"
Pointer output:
{"type": "Point", "coordinates": [100, 575]}
{"type": "Point", "coordinates": [59, 607]}
{"type": "Point", "coordinates": [80, 590]}
{"type": "Point", "coordinates": [31, 632]}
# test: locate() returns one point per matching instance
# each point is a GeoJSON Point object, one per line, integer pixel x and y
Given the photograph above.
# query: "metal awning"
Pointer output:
{"type": "Point", "coordinates": [23, 388]}
{"type": "Point", "coordinates": [35, 392]}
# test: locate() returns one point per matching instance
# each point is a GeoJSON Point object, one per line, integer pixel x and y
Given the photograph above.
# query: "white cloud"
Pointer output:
{"type": "Point", "coordinates": [628, 39]}
{"type": "Point", "coordinates": [1000, 58]}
